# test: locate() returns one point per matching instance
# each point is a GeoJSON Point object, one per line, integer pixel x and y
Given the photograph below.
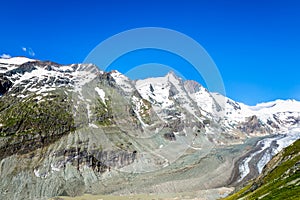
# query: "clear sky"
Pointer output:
{"type": "Point", "coordinates": [255, 44]}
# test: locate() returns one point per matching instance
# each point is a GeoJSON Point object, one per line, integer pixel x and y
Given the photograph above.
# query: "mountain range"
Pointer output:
{"type": "Point", "coordinates": [69, 130]}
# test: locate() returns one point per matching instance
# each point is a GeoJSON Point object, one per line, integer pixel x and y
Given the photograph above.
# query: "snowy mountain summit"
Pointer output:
{"type": "Point", "coordinates": [171, 98]}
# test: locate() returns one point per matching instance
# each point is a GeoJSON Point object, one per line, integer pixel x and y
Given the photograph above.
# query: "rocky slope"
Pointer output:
{"type": "Point", "coordinates": [69, 130]}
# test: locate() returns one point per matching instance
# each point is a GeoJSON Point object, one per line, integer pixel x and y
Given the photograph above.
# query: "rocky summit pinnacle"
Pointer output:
{"type": "Point", "coordinates": [74, 129]}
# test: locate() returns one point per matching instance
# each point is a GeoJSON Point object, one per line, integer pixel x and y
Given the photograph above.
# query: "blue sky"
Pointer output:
{"type": "Point", "coordinates": [255, 44]}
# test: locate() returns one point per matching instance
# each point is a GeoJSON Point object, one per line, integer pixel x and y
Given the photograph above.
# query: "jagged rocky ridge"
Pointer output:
{"type": "Point", "coordinates": [68, 130]}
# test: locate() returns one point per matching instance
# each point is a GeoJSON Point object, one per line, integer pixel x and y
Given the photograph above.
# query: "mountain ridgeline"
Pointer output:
{"type": "Point", "coordinates": [67, 130]}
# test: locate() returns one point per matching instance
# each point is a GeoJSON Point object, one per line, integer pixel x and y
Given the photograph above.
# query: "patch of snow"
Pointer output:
{"type": "Point", "coordinates": [22, 96]}
{"type": "Point", "coordinates": [138, 104]}
{"type": "Point", "coordinates": [93, 125]}
{"type": "Point", "coordinates": [203, 99]}
{"type": "Point", "coordinates": [40, 90]}
{"type": "Point", "coordinates": [15, 60]}
{"type": "Point", "coordinates": [262, 106]}
{"type": "Point", "coordinates": [38, 98]}
{"type": "Point", "coordinates": [160, 94]}
{"type": "Point", "coordinates": [101, 93]}
{"type": "Point", "coordinates": [36, 173]}
{"type": "Point", "coordinates": [66, 68]}
{"type": "Point", "coordinates": [122, 81]}
{"type": "Point", "coordinates": [277, 106]}
{"type": "Point", "coordinates": [53, 168]}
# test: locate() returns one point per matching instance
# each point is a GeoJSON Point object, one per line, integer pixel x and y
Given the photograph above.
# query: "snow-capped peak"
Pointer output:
{"type": "Point", "coordinates": [15, 60]}
{"type": "Point", "coordinates": [155, 90]}
{"type": "Point", "coordinates": [122, 81]}
{"type": "Point", "coordinates": [277, 106]}
{"type": "Point", "coordinates": [170, 96]}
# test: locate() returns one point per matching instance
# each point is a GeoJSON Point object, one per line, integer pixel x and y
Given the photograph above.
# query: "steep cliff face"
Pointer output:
{"type": "Point", "coordinates": [69, 130]}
